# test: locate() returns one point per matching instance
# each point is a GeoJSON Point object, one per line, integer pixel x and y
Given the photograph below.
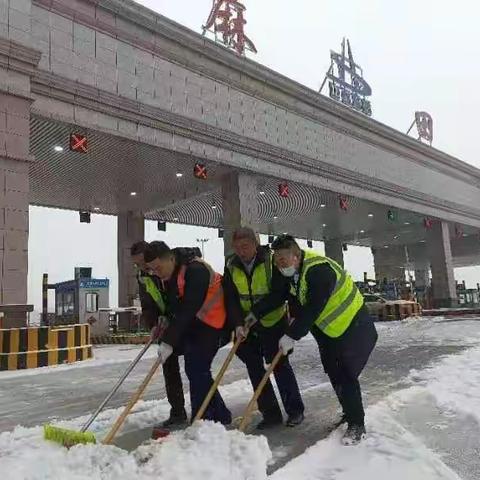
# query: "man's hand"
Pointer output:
{"type": "Point", "coordinates": [164, 351]}
{"type": "Point", "coordinates": [250, 320]}
{"type": "Point", "coordinates": [157, 331]}
{"type": "Point", "coordinates": [286, 344]}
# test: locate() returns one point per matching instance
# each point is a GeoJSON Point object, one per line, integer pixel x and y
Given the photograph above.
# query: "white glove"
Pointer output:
{"type": "Point", "coordinates": [286, 344]}
{"type": "Point", "coordinates": [164, 351]}
{"type": "Point", "coordinates": [241, 332]}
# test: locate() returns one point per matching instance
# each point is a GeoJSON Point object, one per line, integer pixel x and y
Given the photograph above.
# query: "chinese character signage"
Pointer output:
{"type": "Point", "coordinates": [424, 123]}
{"type": "Point", "coordinates": [227, 22]}
{"type": "Point", "coordinates": [93, 283]}
{"type": "Point", "coordinates": [345, 81]}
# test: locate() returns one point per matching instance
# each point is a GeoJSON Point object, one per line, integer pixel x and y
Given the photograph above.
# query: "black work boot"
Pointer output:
{"type": "Point", "coordinates": [354, 435]}
{"type": "Point", "coordinates": [295, 419]}
{"type": "Point", "coordinates": [269, 422]}
{"type": "Point", "coordinates": [176, 420]}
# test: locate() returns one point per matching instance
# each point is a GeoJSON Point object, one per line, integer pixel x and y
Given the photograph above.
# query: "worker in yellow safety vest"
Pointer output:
{"type": "Point", "coordinates": [248, 279]}
{"type": "Point", "coordinates": [324, 300]}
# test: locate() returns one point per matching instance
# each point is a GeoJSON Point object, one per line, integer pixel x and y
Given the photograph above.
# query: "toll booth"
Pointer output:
{"type": "Point", "coordinates": [80, 300]}
{"type": "Point", "coordinates": [468, 297]}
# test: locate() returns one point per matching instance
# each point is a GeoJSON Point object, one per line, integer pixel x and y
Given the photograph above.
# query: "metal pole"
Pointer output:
{"type": "Point", "coordinates": [202, 241]}
{"type": "Point", "coordinates": [117, 385]}
{"type": "Point", "coordinates": [45, 299]}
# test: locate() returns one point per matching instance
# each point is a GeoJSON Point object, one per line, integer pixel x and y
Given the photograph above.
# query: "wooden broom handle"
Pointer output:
{"type": "Point", "coordinates": [249, 410]}
{"type": "Point", "coordinates": [218, 379]}
{"type": "Point", "coordinates": [136, 396]}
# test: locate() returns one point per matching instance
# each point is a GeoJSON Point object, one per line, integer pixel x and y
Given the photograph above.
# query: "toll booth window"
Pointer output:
{"type": "Point", "coordinates": [91, 302]}
{"type": "Point", "coordinates": [68, 304]}
{"type": "Point", "coordinates": [60, 305]}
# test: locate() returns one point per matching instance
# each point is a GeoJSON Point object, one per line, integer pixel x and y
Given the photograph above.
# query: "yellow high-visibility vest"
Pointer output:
{"type": "Point", "coordinates": [344, 303]}
{"type": "Point", "coordinates": [251, 292]}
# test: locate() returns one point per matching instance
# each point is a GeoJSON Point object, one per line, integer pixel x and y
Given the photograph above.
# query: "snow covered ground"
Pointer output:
{"type": "Point", "coordinates": [423, 419]}
{"type": "Point", "coordinates": [102, 355]}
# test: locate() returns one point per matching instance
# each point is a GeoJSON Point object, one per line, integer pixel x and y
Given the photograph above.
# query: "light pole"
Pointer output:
{"type": "Point", "coordinates": [203, 241]}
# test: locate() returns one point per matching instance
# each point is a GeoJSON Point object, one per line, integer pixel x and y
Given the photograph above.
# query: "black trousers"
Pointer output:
{"type": "Point", "coordinates": [343, 360]}
{"type": "Point", "coordinates": [262, 343]}
{"type": "Point", "coordinates": [199, 347]}
{"type": "Point", "coordinates": [173, 385]}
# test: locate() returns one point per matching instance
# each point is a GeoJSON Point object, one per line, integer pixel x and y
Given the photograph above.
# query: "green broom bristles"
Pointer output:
{"type": "Point", "coordinates": [65, 437]}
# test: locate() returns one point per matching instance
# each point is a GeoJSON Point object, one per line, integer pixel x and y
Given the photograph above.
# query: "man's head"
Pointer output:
{"type": "Point", "coordinates": [245, 244]}
{"type": "Point", "coordinates": [287, 255]}
{"type": "Point", "coordinates": [160, 260]}
{"type": "Point", "coordinates": [137, 251]}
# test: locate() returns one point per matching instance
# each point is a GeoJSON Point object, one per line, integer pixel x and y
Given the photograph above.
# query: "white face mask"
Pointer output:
{"type": "Point", "coordinates": [288, 272]}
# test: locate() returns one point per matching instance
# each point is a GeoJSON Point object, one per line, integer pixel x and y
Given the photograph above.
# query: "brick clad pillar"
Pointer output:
{"type": "Point", "coordinates": [131, 229]}
{"type": "Point", "coordinates": [17, 64]}
{"type": "Point", "coordinates": [334, 250]}
{"type": "Point", "coordinates": [443, 279]}
{"type": "Point", "coordinates": [240, 205]}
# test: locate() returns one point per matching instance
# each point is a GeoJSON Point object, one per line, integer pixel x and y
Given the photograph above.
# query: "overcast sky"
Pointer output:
{"type": "Point", "coordinates": [416, 55]}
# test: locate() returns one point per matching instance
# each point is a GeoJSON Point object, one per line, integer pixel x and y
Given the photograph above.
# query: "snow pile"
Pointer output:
{"type": "Point", "coordinates": [205, 450]}
{"type": "Point", "coordinates": [391, 450]}
{"type": "Point", "coordinates": [455, 382]}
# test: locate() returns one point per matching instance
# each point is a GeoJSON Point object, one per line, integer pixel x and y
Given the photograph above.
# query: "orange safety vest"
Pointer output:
{"type": "Point", "coordinates": [212, 312]}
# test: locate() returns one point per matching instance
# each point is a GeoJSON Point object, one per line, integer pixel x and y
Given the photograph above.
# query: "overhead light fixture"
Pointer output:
{"type": "Point", "coordinates": [395, 237]}
{"type": "Point", "coordinates": [133, 194]}
{"type": "Point", "coordinates": [385, 246]}
{"type": "Point", "coordinates": [96, 208]}
{"type": "Point", "coordinates": [262, 192]}
{"type": "Point", "coordinates": [407, 223]}
{"type": "Point", "coordinates": [275, 217]}
{"type": "Point", "coordinates": [214, 206]}
{"type": "Point", "coordinates": [58, 148]}
{"type": "Point", "coordinates": [465, 235]}
{"type": "Point", "coordinates": [175, 219]}
{"type": "Point", "coordinates": [179, 175]}
{"type": "Point", "coordinates": [370, 215]}
{"type": "Point", "coordinates": [422, 241]}
{"type": "Point", "coordinates": [322, 205]}
{"type": "Point", "coordinates": [324, 225]}
{"type": "Point", "coordinates": [84, 216]}
{"type": "Point", "coordinates": [362, 231]}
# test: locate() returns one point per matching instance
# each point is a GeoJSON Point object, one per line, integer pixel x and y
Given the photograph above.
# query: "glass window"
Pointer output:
{"type": "Point", "coordinates": [68, 304]}
{"type": "Point", "coordinates": [60, 304]}
{"type": "Point", "coordinates": [91, 302]}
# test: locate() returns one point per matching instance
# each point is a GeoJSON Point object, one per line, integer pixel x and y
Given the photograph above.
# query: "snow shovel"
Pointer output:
{"type": "Point", "coordinates": [251, 405]}
{"type": "Point", "coordinates": [218, 379]}
{"type": "Point", "coordinates": [136, 396]}
{"type": "Point", "coordinates": [68, 437]}
{"type": "Point", "coordinates": [250, 321]}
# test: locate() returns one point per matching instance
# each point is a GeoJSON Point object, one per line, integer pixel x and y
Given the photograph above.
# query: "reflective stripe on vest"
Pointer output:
{"type": "Point", "coordinates": [154, 292]}
{"type": "Point", "coordinates": [259, 288]}
{"type": "Point", "coordinates": [344, 303]}
{"type": "Point", "coordinates": [212, 312]}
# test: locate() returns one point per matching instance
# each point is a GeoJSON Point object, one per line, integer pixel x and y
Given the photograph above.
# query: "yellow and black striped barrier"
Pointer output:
{"type": "Point", "coordinates": [120, 339]}
{"type": "Point", "coordinates": [34, 347]}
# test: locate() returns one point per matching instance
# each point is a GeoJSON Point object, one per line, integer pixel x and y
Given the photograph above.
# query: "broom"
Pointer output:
{"type": "Point", "coordinates": [68, 438]}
